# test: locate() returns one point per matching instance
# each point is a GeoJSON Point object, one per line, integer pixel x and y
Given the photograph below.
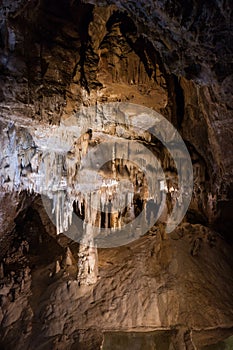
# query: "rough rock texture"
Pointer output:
{"type": "Point", "coordinates": [188, 45]}
{"type": "Point", "coordinates": [55, 58]}
{"type": "Point", "coordinates": [154, 283]}
{"type": "Point", "coordinates": [172, 56]}
{"type": "Point", "coordinates": [12, 204]}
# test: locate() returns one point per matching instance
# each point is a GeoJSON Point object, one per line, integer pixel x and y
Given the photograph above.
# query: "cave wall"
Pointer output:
{"type": "Point", "coordinates": [55, 58]}
{"type": "Point", "coordinates": [171, 56]}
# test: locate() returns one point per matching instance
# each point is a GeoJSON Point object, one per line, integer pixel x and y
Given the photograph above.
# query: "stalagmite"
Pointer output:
{"type": "Point", "coordinates": [68, 261]}
{"type": "Point", "coordinates": [58, 162]}
{"type": "Point", "coordinates": [57, 267]}
{"type": "Point", "coordinates": [88, 265]}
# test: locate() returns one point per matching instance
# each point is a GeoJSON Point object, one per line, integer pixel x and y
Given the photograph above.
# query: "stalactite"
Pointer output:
{"type": "Point", "coordinates": [54, 162]}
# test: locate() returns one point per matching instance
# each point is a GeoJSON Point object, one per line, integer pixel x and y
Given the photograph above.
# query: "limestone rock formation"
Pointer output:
{"type": "Point", "coordinates": [57, 267]}
{"type": "Point", "coordinates": [62, 64]}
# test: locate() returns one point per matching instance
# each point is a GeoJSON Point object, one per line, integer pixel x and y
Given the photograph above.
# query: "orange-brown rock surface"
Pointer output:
{"type": "Point", "coordinates": [57, 59]}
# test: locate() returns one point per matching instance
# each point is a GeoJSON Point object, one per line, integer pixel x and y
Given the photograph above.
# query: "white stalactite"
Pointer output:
{"type": "Point", "coordinates": [50, 161]}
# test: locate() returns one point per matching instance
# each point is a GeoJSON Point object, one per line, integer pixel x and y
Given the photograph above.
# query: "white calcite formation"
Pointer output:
{"type": "Point", "coordinates": [91, 166]}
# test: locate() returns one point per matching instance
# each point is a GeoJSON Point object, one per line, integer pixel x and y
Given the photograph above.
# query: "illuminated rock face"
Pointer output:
{"type": "Point", "coordinates": [103, 169]}
{"type": "Point", "coordinates": [57, 60]}
{"type": "Point", "coordinates": [103, 54]}
{"type": "Point", "coordinates": [100, 192]}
